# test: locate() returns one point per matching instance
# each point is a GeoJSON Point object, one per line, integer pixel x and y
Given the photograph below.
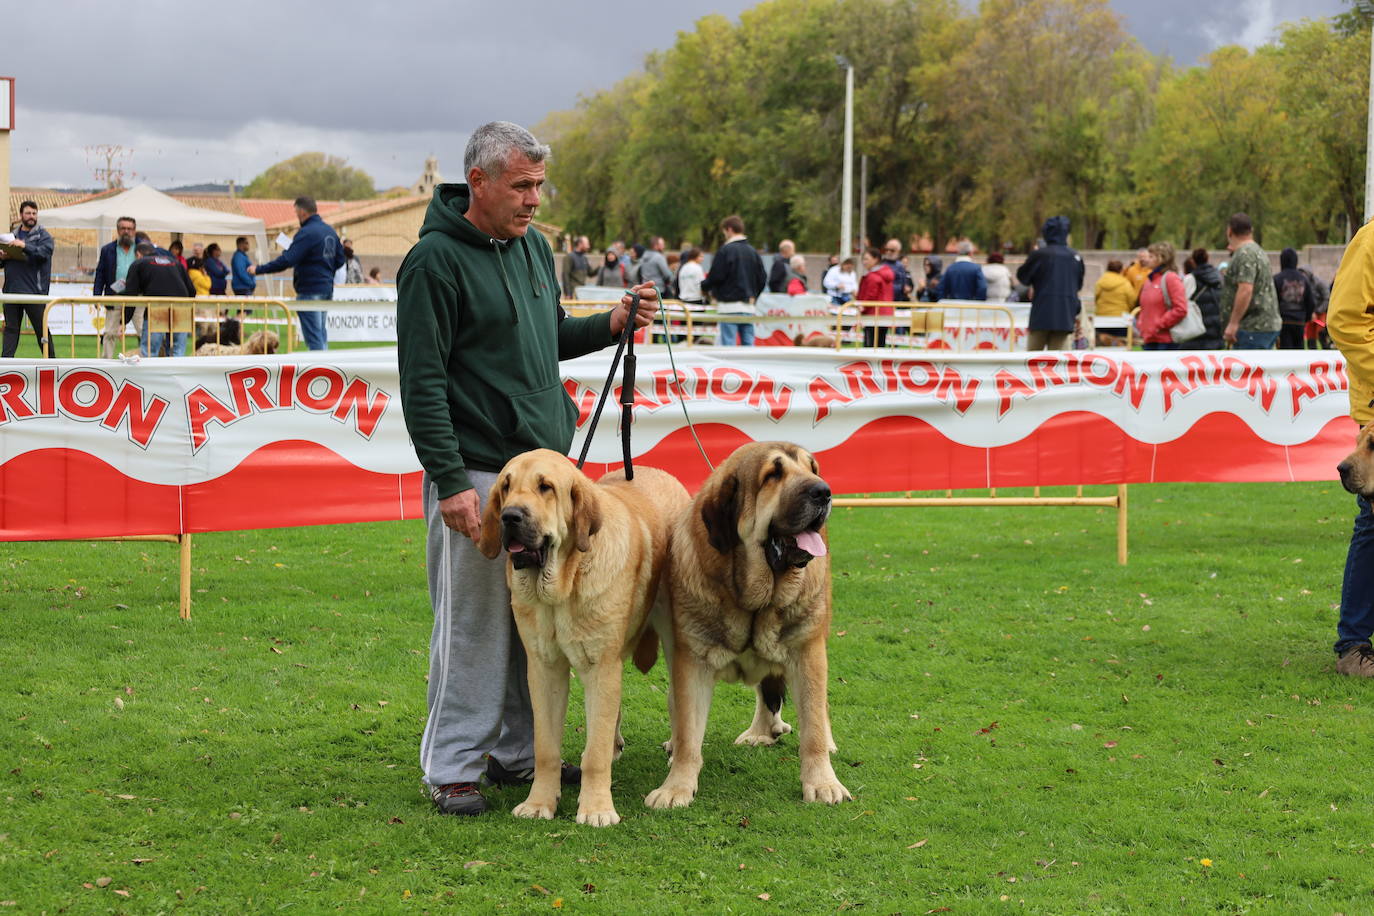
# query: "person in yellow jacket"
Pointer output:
{"type": "Point", "coordinates": [1350, 321]}
{"type": "Point", "coordinates": [1113, 295]}
{"type": "Point", "coordinates": [1137, 271]}
{"type": "Point", "coordinates": [195, 268]}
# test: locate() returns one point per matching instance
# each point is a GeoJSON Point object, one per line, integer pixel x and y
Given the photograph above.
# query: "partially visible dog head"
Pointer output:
{"type": "Point", "coordinates": [769, 495]}
{"type": "Point", "coordinates": [258, 342]}
{"type": "Point", "coordinates": [262, 342]}
{"type": "Point", "coordinates": [539, 503]}
{"type": "Point", "coordinates": [1357, 470]}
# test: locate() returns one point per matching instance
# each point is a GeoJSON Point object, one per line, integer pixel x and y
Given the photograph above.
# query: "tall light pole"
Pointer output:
{"type": "Point", "coordinates": [847, 188]}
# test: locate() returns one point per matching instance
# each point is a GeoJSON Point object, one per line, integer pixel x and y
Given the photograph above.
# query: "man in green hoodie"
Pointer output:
{"type": "Point", "coordinates": [479, 336]}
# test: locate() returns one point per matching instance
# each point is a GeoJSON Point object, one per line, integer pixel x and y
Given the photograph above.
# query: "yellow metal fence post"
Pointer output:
{"type": "Point", "coordinates": [1121, 524]}
{"type": "Point", "coordinates": [184, 542]}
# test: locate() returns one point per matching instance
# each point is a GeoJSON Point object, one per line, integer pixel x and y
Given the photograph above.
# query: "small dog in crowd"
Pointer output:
{"type": "Point", "coordinates": [226, 332]}
{"type": "Point", "coordinates": [258, 342]}
{"type": "Point", "coordinates": [815, 339]}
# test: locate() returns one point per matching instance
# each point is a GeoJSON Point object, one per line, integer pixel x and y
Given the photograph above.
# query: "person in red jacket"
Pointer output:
{"type": "Point", "coordinates": [1158, 312]}
{"type": "Point", "coordinates": [876, 286]}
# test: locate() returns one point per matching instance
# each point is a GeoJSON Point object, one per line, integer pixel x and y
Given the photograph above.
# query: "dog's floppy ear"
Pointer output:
{"type": "Point", "coordinates": [489, 542]}
{"type": "Point", "coordinates": [720, 514]}
{"type": "Point", "coordinates": [586, 511]}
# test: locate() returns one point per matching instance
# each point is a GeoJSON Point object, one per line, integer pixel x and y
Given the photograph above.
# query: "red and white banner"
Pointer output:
{"type": "Point", "coordinates": [220, 443]}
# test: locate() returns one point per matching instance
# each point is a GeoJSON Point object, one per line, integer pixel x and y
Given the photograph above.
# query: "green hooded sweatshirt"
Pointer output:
{"type": "Point", "coordinates": [479, 335]}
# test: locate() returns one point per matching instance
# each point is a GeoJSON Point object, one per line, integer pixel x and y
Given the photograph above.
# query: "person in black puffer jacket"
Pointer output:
{"type": "Point", "coordinates": [1207, 295]}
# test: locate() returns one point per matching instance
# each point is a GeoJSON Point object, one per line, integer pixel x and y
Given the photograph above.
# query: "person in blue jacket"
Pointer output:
{"type": "Point", "coordinates": [241, 280]}
{"type": "Point", "coordinates": [1054, 272]}
{"type": "Point", "coordinates": [315, 254]}
{"type": "Point", "coordinates": [964, 279]}
{"type": "Point", "coordinates": [29, 272]}
{"type": "Point", "coordinates": [111, 269]}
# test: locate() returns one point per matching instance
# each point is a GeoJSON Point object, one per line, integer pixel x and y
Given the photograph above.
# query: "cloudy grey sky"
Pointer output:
{"type": "Point", "coordinates": [198, 99]}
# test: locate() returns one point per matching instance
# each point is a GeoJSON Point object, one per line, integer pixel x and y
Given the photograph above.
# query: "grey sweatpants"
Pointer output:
{"type": "Point", "coordinates": [479, 697]}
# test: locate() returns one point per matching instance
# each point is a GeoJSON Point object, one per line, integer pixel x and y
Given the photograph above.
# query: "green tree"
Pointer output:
{"type": "Point", "coordinates": [316, 175]}
{"type": "Point", "coordinates": [1214, 147]}
{"type": "Point", "coordinates": [1047, 93]}
{"type": "Point", "coordinates": [748, 119]}
{"type": "Point", "coordinates": [973, 123]}
{"type": "Point", "coordinates": [1322, 187]}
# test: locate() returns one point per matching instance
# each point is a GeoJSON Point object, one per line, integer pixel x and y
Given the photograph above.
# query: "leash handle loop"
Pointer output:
{"type": "Point", "coordinates": [627, 335]}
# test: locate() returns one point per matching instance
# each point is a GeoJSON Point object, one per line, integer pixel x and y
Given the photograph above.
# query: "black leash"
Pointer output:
{"type": "Point", "coordinates": [625, 347]}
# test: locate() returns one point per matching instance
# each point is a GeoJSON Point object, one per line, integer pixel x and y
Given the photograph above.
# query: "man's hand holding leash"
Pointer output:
{"type": "Point", "coordinates": [645, 311]}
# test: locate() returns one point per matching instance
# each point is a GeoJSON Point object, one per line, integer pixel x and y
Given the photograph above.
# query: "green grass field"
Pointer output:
{"type": "Point", "coordinates": [1025, 726]}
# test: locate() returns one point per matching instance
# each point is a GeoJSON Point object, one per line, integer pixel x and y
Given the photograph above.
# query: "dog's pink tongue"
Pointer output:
{"type": "Point", "coordinates": [515, 547]}
{"type": "Point", "coordinates": [811, 542]}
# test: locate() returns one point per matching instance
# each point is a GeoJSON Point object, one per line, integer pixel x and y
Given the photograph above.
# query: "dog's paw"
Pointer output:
{"type": "Point", "coordinates": [605, 818]}
{"type": "Point", "coordinates": [832, 793]}
{"type": "Point", "coordinates": [781, 728]}
{"type": "Point", "coordinates": [533, 809]}
{"type": "Point", "coordinates": [666, 796]}
{"type": "Point", "coordinates": [757, 739]}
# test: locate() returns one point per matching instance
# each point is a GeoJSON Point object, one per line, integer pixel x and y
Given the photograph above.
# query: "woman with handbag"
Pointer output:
{"type": "Point", "coordinates": [1163, 302]}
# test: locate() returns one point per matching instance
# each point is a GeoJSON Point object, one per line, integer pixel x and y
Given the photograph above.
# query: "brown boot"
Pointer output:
{"type": "Point", "coordinates": [1357, 662]}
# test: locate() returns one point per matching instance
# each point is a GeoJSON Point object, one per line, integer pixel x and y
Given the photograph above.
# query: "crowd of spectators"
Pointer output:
{"type": "Point", "coordinates": [1240, 302]}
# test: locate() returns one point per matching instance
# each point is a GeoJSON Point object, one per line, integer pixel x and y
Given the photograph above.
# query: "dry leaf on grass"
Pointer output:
{"type": "Point", "coordinates": [919, 843]}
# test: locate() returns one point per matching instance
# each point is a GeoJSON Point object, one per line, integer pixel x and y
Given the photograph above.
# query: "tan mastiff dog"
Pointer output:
{"type": "Point", "coordinates": [584, 564]}
{"type": "Point", "coordinates": [750, 586]}
{"type": "Point", "coordinates": [1357, 470]}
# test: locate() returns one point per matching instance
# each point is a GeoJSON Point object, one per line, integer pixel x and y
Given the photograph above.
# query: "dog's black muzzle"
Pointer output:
{"type": "Point", "coordinates": [807, 516]}
{"type": "Point", "coordinates": [527, 547]}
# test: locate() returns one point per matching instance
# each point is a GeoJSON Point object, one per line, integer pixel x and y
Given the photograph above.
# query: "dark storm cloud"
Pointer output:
{"type": "Point", "coordinates": [348, 65]}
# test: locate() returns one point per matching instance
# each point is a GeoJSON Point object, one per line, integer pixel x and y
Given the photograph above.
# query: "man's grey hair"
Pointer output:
{"type": "Point", "coordinates": [491, 145]}
{"type": "Point", "coordinates": [965, 247]}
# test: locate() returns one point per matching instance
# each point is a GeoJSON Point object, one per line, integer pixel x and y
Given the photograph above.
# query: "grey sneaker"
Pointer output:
{"type": "Point", "coordinates": [501, 777]}
{"type": "Point", "coordinates": [1357, 662]}
{"type": "Point", "coordinates": [458, 798]}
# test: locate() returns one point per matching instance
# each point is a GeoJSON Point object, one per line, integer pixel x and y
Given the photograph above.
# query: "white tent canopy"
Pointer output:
{"type": "Point", "coordinates": [154, 212]}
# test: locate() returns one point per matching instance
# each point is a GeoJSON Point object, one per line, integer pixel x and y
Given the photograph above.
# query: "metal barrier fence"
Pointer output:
{"type": "Point", "coordinates": [954, 325]}
{"type": "Point", "coordinates": [176, 308]}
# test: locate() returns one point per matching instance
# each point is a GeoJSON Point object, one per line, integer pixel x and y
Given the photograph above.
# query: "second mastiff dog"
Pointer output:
{"type": "Point", "coordinates": [750, 587]}
{"type": "Point", "coordinates": [584, 563]}
{"type": "Point", "coordinates": [1357, 470]}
